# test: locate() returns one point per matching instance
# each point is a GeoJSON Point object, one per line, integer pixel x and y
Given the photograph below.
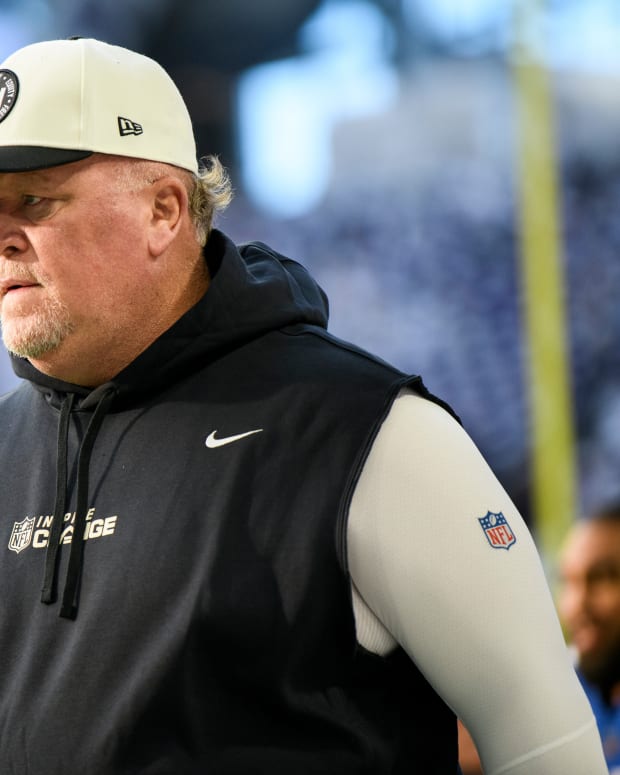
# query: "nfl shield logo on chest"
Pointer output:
{"type": "Point", "coordinates": [497, 530]}
{"type": "Point", "coordinates": [21, 535]}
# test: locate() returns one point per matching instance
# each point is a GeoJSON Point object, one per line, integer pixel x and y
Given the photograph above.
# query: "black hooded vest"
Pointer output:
{"type": "Point", "coordinates": [212, 629]}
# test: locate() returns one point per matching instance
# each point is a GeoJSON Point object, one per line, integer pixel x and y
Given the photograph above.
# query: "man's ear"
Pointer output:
{"type": "Point", "coordinates": [168, 202]}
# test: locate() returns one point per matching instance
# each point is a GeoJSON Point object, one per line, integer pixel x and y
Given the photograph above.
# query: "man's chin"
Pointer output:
{"type": "Point", "coordinates": [33, 342]}
{"type": "Point", "coordinates": [31, 349]}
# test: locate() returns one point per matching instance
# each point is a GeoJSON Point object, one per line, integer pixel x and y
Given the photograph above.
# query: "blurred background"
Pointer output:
{"type": "Point", "coordinates": [449, 170]}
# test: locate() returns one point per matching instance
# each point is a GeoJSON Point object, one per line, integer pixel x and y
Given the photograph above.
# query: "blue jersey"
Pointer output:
{"type": "Point", "coordinates": [608, 722]}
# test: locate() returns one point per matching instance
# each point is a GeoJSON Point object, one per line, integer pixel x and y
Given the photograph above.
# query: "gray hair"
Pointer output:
{"type": "Point", "coordinates": [209, 190]}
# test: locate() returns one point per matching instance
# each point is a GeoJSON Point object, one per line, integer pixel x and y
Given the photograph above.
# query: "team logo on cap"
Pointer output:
{"type": "Point", "coordinates": [9, 87]}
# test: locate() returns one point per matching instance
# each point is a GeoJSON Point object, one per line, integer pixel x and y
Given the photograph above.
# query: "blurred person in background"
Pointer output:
{"type": "Point", "coordinates": [469, 758]}
{"type": "Point", "coordinates": [589, 606]}
{"type": "Point", "coordinates": [232, 542]}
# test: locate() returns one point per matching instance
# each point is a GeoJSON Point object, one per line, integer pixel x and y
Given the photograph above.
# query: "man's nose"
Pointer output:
{"type": "Point", "coordinates": [13, 241]}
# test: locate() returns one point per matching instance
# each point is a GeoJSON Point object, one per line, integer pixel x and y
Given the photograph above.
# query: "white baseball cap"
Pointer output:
{"type": "Point", "coordinates": [63, 100]}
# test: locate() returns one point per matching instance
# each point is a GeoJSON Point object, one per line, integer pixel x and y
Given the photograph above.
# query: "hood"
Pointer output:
{"type": "Point", "coordinates": [253, 290]}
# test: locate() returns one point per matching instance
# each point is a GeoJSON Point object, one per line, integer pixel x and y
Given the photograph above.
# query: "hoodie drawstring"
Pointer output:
{"type": "Point", "coordinates": [71, 593]}
{"type": "Point", "coordinates": [48, 593]}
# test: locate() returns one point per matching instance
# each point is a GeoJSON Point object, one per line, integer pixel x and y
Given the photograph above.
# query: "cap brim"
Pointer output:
{"type": "Point", "coordinates": [23, 158]}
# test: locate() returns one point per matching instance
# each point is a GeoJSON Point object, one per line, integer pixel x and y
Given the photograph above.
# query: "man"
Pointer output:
{"type": "Point", "coordinates": [589, 604]}
{"type": "Point", "coordinates": [233, 543]}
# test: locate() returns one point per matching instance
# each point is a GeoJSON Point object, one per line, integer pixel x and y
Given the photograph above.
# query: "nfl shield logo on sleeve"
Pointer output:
{"type": "Point", "coordinates": [497, 530]}
{"type": "Point", "coordinates": [21, 535]}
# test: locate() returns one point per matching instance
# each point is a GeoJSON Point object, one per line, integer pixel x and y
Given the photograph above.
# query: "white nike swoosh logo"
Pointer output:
{"type": "Point", "coordinates": [212, 442]}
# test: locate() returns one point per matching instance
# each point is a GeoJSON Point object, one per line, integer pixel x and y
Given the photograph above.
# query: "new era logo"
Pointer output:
{"type": "Point", "coordinates": [128, 127]}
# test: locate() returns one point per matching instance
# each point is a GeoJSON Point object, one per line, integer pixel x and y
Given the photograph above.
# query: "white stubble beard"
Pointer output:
{"type": "Point", "coordinates": [39, 332]}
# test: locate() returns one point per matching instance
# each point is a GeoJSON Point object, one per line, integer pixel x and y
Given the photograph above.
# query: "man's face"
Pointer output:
{"type": "Point", "coordinates": [589, 599]}
{"type": "Point", "coordinates": [72, 251]}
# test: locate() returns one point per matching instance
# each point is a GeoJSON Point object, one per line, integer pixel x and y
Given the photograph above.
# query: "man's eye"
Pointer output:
{"type": "Point", "coordinates": [31, 201]}
{"type": "Point", "coordinates": [37, 208]}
